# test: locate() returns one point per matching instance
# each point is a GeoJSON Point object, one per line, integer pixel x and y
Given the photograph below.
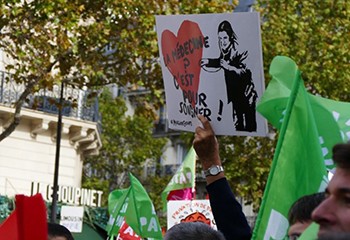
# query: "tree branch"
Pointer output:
{"type": "Point", "coordinates": [18, 105]}
{"type": "Point", "coordinates": [18, 108]}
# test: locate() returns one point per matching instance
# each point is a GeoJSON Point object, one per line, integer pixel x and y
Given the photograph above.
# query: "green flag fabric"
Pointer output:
{"type": "Point", "coordinates": [141, 215]}
{"type": "Point", "coordinates": [298, 164]}
{"type": "Point", "coordinates": [184, 178]}
{"type": "Point", "coordinates": [310, 232]}
{"type": "Point", "coordinates": [332, 117]}
{"type": "Point", "coordinates": [117, 205]}
{"type": "Point", "coordinates": [114, 198]}
{"type": "Point", "coordinates": [333, 124]}
{"type": "Point", "coordinates": [135, 206]}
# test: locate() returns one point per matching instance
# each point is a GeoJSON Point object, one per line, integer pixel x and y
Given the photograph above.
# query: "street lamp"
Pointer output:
{"type": "Point", "coordinates": [57, 158]}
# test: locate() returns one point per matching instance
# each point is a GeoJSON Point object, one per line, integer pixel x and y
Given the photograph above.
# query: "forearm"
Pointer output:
{"type": "Point", "coordinates": [227, 212]}
{"type": "Point", "coordinates": [238, 71]}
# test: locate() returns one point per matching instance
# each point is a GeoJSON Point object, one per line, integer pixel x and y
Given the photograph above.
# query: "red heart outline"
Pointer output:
{"type": "Point", "coordinates": [182, 56]}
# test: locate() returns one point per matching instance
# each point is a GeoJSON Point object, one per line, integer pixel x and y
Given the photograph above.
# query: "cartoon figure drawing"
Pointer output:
{"type": "Point", "coordinates": [239, 84]}
{"type": "Point", "coordinates": [197, 217]}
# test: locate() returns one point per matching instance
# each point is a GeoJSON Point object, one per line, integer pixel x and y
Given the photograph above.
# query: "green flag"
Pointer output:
{"type": "Point", "coordinates": [117, 206]}
{"type": "Point", "coordinates": [141, 215]}
{"type": "Point", "coordinates": [114, 197]}
{"type": "Point", "coordinates": [135, 206]}
{"type": "Point", "coordinates": [298, 166]}
{"type": "Point", "coordinates": [332, 117]}
{"type": "Point", "coordinates": [310, 232]}
{"type": "Point", "coordinates": [183, 179]}
{"type": "Point", "coordinates": [333, 124]}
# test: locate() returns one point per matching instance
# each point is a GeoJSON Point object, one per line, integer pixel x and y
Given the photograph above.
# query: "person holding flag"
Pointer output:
{"type": "Point", "coordinates": [227, 212]}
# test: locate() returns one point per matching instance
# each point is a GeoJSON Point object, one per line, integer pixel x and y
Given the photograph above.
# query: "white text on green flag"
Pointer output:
{"type": "Point", "coordinates": [298, 167]}
{"type": "Point", "coordinates": [141, 215]}
{"type": "Point", "coordinates": [117, 206]}
{"type": "Point", "coordinates": [333, 117]}
{"type": "Point", "coordinates": [133, 206]}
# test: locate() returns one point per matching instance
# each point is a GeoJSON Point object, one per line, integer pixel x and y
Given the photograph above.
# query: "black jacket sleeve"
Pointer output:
{"type": "Point", "coordinates": [227, 212]}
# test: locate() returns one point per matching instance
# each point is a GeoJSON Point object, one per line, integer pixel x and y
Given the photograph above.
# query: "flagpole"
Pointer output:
{"type": "Point", "coordinates": [293, 95]}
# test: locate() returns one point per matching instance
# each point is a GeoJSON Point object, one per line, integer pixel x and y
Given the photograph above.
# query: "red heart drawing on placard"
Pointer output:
{"type": "Point", "coordinates": [182, 55]}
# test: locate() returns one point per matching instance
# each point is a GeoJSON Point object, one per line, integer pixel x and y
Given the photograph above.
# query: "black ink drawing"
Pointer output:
{"type": "Point", "coordinates": [239, 84]}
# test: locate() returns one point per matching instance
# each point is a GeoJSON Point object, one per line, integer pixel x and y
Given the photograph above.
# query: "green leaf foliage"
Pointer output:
{"type": "Point", "coordinates": [247, 162]}
{"type": "Point", "coordinates": [127, 146]}
{"type": "Point", "coordinates": [315, 35]}
{"type": "Point", "coordinates": [87, 43]}
{"type": "Point", "coordinates": [90, 43]}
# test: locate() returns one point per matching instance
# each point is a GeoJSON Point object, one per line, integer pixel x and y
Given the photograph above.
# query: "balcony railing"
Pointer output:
{"type": "Point", "coordinates": [77, 103]}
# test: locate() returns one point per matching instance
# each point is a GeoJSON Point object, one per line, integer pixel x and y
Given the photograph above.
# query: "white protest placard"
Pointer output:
{"type": "Point", "coordinates": [212, 65]}
{"type": "Point", "coordinates": [189, 211]}
{"type": "Point", "coordinates": [72, 218]}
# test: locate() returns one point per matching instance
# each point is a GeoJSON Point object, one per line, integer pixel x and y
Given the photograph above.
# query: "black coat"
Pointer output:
{"type": "Point", "coordinates": [227, 212]}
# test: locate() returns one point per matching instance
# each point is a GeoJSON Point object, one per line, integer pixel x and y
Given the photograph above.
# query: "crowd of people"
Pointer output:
{"type": "Point", "coordinates": [331, 209]}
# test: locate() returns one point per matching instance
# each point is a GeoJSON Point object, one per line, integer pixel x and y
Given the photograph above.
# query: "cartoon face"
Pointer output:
{"type": "Point", "coordinates": [196, 217]}
{"type": "Point", "coordinates": [224, 41]}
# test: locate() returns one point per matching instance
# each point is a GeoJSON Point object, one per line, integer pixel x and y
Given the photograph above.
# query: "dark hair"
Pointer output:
{"type": "Point", "coordinates": [335, 236]}
{"type": "Point", "coordinates": [302, 208]}
{"type": "Point", "coordinates": [57, 230]}
{"type": "Point", "coordinates": [225, 26]}
{"type": "Point", "coordinates": [341, 155]}
{"type": "Point", "coordinates": [193, 231]}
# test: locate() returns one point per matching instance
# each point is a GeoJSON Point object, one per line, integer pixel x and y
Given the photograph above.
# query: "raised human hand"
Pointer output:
{"type": "Point", "coordinates": [206, 144]}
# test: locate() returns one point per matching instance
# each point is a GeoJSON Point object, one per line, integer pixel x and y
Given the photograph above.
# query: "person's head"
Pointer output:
{"type": "Point", "coordinates": [227, 37]}
{"type": "Point", "coordinates": [333, 214]}
{"type": "Point", "coordinates": [299, 216]}
{"type": "Point", "coordinates": [334, 236]}
{"type": "Point", "coordinates": [193, 231]}
{"type": "Point", "coordinates": [58, 232]}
